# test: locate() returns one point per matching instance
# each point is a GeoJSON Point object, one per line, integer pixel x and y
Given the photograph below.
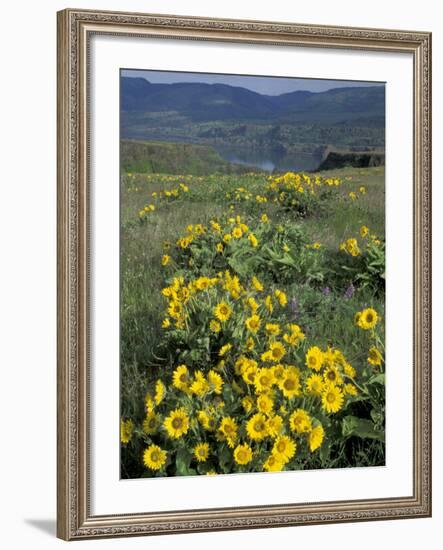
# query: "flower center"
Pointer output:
{"type": "Point", "coordinates": [177, 423]}
{"type": "Point", "coordinates": [330, 398]}
{"type": "Point", "coordinates": [281, 447]}
{"type": "Point", "coordinates": [289, 384]}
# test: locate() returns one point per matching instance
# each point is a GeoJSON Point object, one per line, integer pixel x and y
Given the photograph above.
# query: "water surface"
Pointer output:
{"type": "Point", "coordinates": [267, 160]}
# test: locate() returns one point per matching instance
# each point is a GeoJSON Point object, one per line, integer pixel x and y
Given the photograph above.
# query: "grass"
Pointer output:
{"type": "Point", "coordinates": [150, 157]}
{"type": "Point", "coordinates": [142, 245]}
{"type": "Point", "coordinates": [319, 307]}
{"type": "Point", "coordinates": [344, 218]}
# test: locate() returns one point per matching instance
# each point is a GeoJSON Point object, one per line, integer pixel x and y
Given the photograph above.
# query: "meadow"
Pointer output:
{"type": "Point", "coordinates": [252, 322]}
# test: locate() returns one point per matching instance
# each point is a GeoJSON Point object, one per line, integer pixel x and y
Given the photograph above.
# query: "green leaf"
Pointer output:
{"type": "Point", "coordinates": [205, 467]}
{"type": "Point", "coordinates": [325, 450]}
{"type": "Point", "coordinates": [360, 427]}
{"type": "Point", "coordinates": [377, 379]}
{"type": "Point", "coordinates": [225, 459]}
{"type": "Point", "coordinates": [227, 393]}
{"type": "Point", "coordinates": [182, 462]}
{"type": "Point", "coordinates": [377, 416]}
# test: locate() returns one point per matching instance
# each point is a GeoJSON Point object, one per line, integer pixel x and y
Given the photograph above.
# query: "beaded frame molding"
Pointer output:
{"type": "Point", "coordinates": [75, 28]}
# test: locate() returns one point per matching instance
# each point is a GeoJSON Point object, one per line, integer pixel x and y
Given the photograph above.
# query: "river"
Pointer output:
{"type": "Point", "coordinates": [268, 161]}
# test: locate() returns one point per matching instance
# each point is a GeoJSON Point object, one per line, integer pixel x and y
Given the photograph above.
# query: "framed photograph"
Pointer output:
{"type": "Point", "coordinates": [243, 274]}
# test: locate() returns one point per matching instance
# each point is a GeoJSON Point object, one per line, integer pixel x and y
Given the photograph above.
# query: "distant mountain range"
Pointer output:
{"type": "Point", "coordinates": [220, 102]}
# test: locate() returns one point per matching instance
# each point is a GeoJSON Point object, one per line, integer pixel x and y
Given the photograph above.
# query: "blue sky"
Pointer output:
{"type": "Point", "coordinates": [261, 84]}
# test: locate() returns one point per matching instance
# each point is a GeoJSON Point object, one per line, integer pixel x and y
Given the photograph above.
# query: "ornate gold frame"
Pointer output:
{"type": "Point", "coordinates": [75, 27]}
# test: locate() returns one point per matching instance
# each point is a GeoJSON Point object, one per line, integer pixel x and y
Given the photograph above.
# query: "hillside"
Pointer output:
{"type": "Point", "coordinates": [174, 158]}
{"type": "Point", "coordinates": [226, 116]}
{"type": "Point", "coordinates": [336, 159]}
{"type": "Point", "coordinates": [204, 102]}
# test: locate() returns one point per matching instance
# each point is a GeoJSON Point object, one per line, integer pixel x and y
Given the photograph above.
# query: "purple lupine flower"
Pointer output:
{"type": "Point", "coordinates": [326, 291]}
{"type": "Point", "coordinates": [350, 291]}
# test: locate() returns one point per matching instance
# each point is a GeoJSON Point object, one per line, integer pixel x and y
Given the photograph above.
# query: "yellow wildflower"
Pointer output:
{"type": "Point", "coordinates": [177, 423]}
{"type": "Point", "coordinates": [272, 464]}
{"type": "Point", "coordinates": [332, 398]}
{"type": "Point", "coordinates": [253, 323]}
{"type": "Point", "coordinates": [256, 427]}
{"type": "Point", "coordinates": [223, 311]}
{"type": "Point", "coordinates": [257, 284]}
{"type": "Point", "coordinates": [374, 356]}
{"type": "Point", "coordinates": [284, 449]}
{"type": "Point", "coordinates": [253, 240]}
{"type": "Point", "coordinates": [272, 328]}
{"type": "Point", "coordinates": [201, 452]}
{"type": "Point", "coordinates": [300, 421]}
{"type": "Point", "coordinates": [364, 231]}
{"type": "Point", "coordinates": [224, 349]}
{"type": "Point", "coordinates": [367, 319]}
{"type": "Point", "coordinates": [243, 454]}
{"type": "Point", "coordinates": [214, 326]}
{"type": "Point", "coordinates": [315, 437]}
{"type": "Point", "coordinates": [126, 429]}
{"type": "Point", "coordinates": [154, 457]}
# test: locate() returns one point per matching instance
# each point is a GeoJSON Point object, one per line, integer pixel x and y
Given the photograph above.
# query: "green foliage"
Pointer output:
{"type": "Point", "coordinates": [281, 253]}
{"type": "Point", "coordinates": [302, 194]}
{"type": "Point", "coordinates": [150, 157]}
{"type": "Point", "coordinates": [373, 272]}
{"type": "Point", "coordinates": [315, 280]}
{"type": "Point", "coordinates": [366, 265]}
{"type": "Point", "coordinates": [361, 427]}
